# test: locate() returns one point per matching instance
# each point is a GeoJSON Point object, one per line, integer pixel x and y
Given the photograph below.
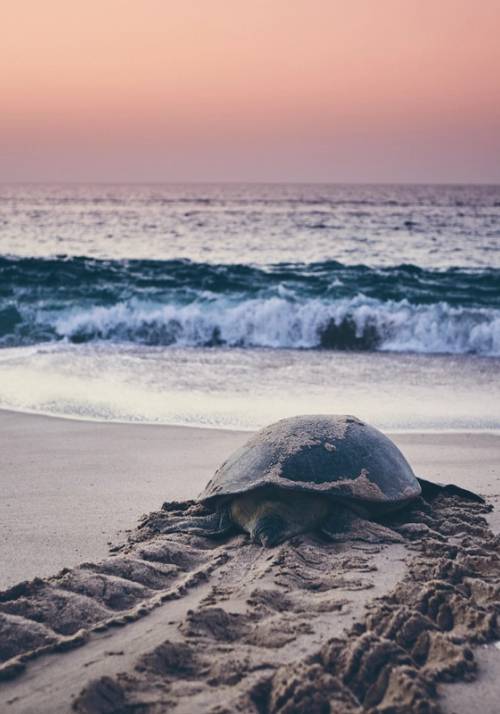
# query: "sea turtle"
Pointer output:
{"type": "Point", "coordinates": [332, 473]}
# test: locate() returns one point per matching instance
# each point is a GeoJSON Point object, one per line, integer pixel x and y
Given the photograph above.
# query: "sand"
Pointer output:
{"type": "Point", "coordinates": [70, 487]}
{"type": "Point", "coordinates": [171, 622]}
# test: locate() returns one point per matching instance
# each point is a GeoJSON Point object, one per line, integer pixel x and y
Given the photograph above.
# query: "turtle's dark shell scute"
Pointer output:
{"type": "Point", "coordinates": [338, 456]}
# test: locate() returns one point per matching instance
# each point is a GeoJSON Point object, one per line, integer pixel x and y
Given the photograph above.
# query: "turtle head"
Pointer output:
{"type": "Point", "coordinates": [269, 529]}
{"type": "Point", "coordinates": [272, 516]}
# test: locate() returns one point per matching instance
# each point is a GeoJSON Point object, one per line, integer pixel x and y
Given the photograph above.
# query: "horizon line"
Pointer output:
{"type": "Point", "coordinates": [193, 182]}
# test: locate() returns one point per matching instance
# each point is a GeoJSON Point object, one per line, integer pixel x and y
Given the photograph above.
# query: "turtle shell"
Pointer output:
{"type": "Point", "coordinates": [338, 456]}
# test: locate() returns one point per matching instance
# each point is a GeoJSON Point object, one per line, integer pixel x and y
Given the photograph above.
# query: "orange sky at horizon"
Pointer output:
{"type": "Point", "coordinates": [338, 90]}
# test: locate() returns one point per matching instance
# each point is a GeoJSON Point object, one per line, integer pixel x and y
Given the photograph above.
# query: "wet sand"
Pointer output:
{"type": "Point", "coordinates": [179, 623]}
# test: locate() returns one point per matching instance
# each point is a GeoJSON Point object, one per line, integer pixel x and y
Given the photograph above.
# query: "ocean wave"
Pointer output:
{"type": "Point", "coordinates": [356, 324]}
{"type": "Point", "coordinates": [293, 306]}
{"type": "Point", "coordinates": [76, 278]}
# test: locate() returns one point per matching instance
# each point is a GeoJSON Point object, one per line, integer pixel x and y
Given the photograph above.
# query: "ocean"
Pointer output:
{"type": "Point", "coordinates": [234, 305]}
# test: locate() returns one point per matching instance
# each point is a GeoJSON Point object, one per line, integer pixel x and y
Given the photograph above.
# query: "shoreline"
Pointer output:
{"type": "Point", "coordinates": [246, 430]}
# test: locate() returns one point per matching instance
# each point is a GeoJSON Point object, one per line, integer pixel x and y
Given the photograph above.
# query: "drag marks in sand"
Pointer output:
{"type": "Point", "coordinates": [232, 627]}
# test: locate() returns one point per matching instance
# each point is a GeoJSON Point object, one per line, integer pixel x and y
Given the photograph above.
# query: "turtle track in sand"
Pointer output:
{"type": "Point", "coordinates": [41, 616]}
{"type": "Point", "coordinates": [391, 660]}
{"type": "Point", "coordinates": [99, 618]}
{"type": "Point", "coordinates": [262, 631]}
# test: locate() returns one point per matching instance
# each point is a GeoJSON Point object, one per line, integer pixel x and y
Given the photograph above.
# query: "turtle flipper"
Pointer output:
{"type": "Point", "coordinates": [217, 523]}
{"type": "Point", "coordinates": [430, 489]}
{"type": "Point", "coordinates": [343, 525]}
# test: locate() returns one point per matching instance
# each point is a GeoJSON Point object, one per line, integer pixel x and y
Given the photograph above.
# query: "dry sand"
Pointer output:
{"type": "Point", "coordinates": [70, 487]}
{"type": "Point", "coordinates": [180, 623]}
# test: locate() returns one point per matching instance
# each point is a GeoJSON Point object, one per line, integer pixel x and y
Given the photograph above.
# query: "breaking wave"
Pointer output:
{"type": "Point", "coordinates": [303, 306]}
{"type": "Point", "coordinates": [356, 324]}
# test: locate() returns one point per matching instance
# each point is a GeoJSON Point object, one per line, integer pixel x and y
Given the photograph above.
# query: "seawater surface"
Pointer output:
{"type": "Point", "coordinates": [235, 305]}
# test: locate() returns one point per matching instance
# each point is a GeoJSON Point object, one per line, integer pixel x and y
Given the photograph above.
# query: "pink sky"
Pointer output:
{"type": "Point", "coordinates": [294, 90]}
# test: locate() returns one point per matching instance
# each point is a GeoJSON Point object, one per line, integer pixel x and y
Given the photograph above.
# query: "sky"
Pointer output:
{"type": "Point", "coordinates": [240, 90]}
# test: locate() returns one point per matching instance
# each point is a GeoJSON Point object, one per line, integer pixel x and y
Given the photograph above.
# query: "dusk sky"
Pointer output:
{"type": "Point", "coordinates": [267, 90]}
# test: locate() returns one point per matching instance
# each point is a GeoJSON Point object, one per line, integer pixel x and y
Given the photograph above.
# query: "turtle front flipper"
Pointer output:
{"type": "Point", "coordinates": [342, 525]}
{"type": "Point", "coordinates": [218, 523]}
{"type": "Point", "coordinates": [431, 489]}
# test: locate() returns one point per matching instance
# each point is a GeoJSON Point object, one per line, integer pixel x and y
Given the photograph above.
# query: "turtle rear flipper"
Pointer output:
{"type": "Point", "coordinates": [344, 525]}
{"type": "Point", "coordinates": [215, 524]}
{"type": "Point", "coordinates": [431, 489]}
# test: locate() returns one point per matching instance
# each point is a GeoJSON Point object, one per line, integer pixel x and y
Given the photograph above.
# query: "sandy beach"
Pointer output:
{"type": "Point", "coordinates": [181, 623]}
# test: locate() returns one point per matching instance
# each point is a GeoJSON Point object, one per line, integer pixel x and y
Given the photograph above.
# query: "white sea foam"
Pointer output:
{"type": "Point", "coordinates": [350, 323]}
